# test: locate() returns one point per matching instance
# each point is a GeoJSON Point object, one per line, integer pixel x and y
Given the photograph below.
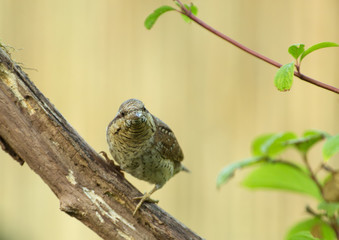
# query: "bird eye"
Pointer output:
{"type": "Point", "coordinates": [122, 114]}
{"type": "Point", "coordinates": [143, 109]}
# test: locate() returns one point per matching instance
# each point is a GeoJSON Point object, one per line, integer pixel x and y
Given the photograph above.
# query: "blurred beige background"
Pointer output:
{"type": "Point", "coordinates": [88, 57]}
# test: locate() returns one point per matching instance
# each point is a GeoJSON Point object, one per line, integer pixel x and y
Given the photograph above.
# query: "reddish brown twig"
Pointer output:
{"type": "Point", "coordinates": [188, 13]}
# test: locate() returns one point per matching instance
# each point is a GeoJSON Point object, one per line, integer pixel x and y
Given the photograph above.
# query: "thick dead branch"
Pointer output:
{"type": "Point", "coordinates": [89, 189]}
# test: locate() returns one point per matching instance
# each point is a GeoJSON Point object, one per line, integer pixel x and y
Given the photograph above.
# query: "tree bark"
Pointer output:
{"type": "Point", "coordinates": [89, 188]}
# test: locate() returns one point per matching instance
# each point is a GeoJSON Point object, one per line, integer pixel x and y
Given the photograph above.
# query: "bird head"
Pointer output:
{"type": "Point", "coordinates": [132, 114]}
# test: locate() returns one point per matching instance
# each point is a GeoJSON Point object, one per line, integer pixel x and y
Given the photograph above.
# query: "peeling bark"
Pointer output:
{"type": "Point", "coordinates": [89, 188]}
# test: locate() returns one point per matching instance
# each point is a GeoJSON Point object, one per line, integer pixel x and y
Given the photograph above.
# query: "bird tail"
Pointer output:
{"type": "Point", "coordinates": [183, 168]}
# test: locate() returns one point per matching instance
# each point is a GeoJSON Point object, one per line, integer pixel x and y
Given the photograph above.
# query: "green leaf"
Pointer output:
{"type": "Point", "coordinates": [228, 171]}
{"type": "Point", "coordinates": [283, 79]}
{"type": "Point", "coordinates": [276, 143]}
{"type": "Point", "coordinates": [186, 19]}
{"type": "Point", "coordinates": [258, 142]}
{"type": "Point", "coordinates": [282, 177]}
{"type": "Point", "coordinates": [331, 147]}
{"type": "Point", "coordinates": [314, 225]}
{"type": "Point", "coordinates": [193, 9]}
{"type": "Point", "coordinates": [316, 47]}
{"type": "Point", "coordinates": [296, 50]}
{"type": "Point", "coordinates": [309, 138]}
{"type": "Point", "coordinates": [152, 18]}
{"type": "Point", "coordinates": [178, 4]}
{"type": "Point", "coordinates": [330, 208]}
{"type": "Point", "coordinates": [303, 235]}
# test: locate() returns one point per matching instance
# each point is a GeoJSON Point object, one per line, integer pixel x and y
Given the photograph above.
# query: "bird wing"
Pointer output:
{"type": "Point", "coordinates": [166, 142]}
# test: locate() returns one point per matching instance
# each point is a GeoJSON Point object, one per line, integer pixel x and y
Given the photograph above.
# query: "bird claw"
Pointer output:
{"type": "Point", "coordinates": [111, 162]}
{"type": "Point", "coordinates": [104, 154]}
{"type": "Point", "coordinates": [142, 200]}
{"type": "Point", "coordinates": [145, 198]}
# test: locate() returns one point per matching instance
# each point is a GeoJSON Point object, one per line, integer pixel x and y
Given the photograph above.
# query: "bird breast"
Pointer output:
{"type": "Point", "coordinates": [129, 140]}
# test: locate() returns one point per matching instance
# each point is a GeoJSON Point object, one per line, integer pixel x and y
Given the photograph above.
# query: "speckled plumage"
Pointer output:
{"type": "Point", "coordinates": [144, 146]}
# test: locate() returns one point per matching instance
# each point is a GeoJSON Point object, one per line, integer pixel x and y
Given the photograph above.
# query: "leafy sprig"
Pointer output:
{"type": "Point", "coordinates": [272, 172]}
{"type": "Point", "coordinates": [284, 77]}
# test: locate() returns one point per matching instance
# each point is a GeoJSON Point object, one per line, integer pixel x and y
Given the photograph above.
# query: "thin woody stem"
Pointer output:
{"type": "Point", "coordinates": [331, 220]}
{"type": "Point", "coordinates": [312, 174]}
{"type": "Point", "coordinates": [189, 14]}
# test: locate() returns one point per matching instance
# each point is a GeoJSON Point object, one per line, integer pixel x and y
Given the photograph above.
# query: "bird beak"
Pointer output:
{"type": "Point", "coordinates": [138, 114]}
{"type": "Point", "coordinates": [138, 117]}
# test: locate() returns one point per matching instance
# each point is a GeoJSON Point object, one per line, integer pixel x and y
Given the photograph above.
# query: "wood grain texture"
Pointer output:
{"type": "Point", "coordinates": [89, 189]}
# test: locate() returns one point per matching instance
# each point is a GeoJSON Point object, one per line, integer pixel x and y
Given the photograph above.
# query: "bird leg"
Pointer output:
{"type": "Point", "coordinates": [149, 200]}
{"type": "Point", "coordinates": [146, 198]}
